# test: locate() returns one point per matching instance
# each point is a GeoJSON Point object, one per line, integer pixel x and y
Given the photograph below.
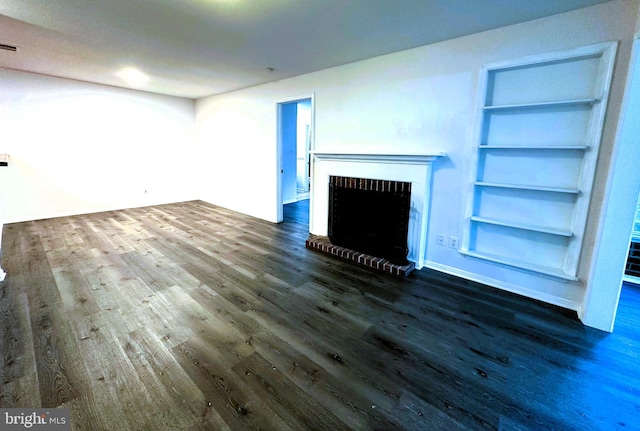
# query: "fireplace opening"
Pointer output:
{"type": "Point", "coordinates": [370, 216]}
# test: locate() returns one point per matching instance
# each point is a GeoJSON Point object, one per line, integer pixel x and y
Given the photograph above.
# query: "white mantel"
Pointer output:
{"type": "Point", "coordinates": [412, 168]}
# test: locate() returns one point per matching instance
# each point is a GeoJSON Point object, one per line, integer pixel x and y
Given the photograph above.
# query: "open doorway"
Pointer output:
{"type": "Point", "coordinates": [295, 143]}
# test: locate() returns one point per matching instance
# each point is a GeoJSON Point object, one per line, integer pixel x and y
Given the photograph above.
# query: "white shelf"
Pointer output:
{"type": "Point", "coordinates": [525, 226]}
{"type": "Point", "coordinates": [528, 187]}
{"type": "Point", "coordinates": [558, 103]}
{"type": "Point", "coordinates": [533, 147]}
{"type": "Point", "coordinates": [552, 271]}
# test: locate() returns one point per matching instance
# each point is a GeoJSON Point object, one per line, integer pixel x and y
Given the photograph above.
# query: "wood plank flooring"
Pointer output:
{"type": "Point", "coordinates": [192, 317]}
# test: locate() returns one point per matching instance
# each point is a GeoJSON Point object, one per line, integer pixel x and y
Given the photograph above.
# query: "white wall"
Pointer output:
{"type": "Point", "coordinates": [76, 147]}
{"type": "Point", "coordinates": [612, 245]}
{"type": "Point", "coordinates": [2, 273]}
{"type": "Point", "coordinates": [413, 101]}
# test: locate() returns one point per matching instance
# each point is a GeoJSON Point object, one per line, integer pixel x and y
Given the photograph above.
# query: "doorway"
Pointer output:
{"type": "Point", "coordinates": [295, 142]}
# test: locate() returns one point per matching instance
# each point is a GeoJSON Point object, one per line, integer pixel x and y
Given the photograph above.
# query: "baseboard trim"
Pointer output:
{"type": "Point", "coordinates": [550, 299]}
{"type": "Point", "coordinates": [93, 210]}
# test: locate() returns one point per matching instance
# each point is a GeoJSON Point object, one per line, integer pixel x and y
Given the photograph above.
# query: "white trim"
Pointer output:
{"type": "Point", "coordinates": [519, 290]}
{"type": "Point", "coordinates": [100, 209]}
{"type": "Point", "coordinates": [565, 54]}
{"type": "Point", "coordinates": [414, 168]}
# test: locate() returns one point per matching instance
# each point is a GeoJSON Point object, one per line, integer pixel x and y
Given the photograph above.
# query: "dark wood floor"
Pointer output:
{"type": "Point", "coordinates": [189, 316]}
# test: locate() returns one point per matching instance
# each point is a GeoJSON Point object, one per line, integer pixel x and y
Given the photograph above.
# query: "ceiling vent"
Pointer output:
{"type": "Point", "coordinates": [8, 47]}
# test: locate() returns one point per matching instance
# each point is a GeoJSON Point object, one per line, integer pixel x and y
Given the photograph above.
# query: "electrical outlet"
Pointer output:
{"type": "Point", "coordinates": [453, 241]}
{"type": "Point", "coordinates": [440, 240]}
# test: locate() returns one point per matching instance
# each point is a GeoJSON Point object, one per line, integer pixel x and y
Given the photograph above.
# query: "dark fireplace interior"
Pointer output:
{"type": "Point", "coordinates": [370, 216]}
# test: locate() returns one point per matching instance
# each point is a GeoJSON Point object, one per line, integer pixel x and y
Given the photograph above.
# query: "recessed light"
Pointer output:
{"type": "Point", "coordinates": [133, 76]}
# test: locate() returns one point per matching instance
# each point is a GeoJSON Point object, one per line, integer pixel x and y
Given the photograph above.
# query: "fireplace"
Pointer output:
{"type": "Point", "coordinates": [370, 216]}
{"type": "Point", "coordinates": [415, 169]}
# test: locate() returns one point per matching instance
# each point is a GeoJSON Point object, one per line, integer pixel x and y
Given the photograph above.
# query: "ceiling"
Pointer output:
{"type": "Point", "coordinates": [196, 48]}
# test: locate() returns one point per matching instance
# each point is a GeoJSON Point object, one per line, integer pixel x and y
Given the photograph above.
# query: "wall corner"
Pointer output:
{"type": "Point", "coordinates": [600, 302]}
{"type": "Point", "coordinates": [2, 273]}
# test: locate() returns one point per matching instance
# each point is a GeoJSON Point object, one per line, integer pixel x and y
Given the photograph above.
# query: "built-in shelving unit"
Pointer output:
{"type": "Point", "coordinates": [539, 131]}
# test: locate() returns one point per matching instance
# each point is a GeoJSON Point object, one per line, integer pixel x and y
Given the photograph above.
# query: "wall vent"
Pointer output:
{"type": "Point", "coordinates": [8, 47]}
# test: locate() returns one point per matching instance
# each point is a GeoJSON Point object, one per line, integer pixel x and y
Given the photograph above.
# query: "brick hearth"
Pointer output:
{"type": "Point", "coordinates": [322, 243]}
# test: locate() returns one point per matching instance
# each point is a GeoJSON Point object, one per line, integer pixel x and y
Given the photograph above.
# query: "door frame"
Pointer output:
{"type": "Point", "coordinates": [279, 146]}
